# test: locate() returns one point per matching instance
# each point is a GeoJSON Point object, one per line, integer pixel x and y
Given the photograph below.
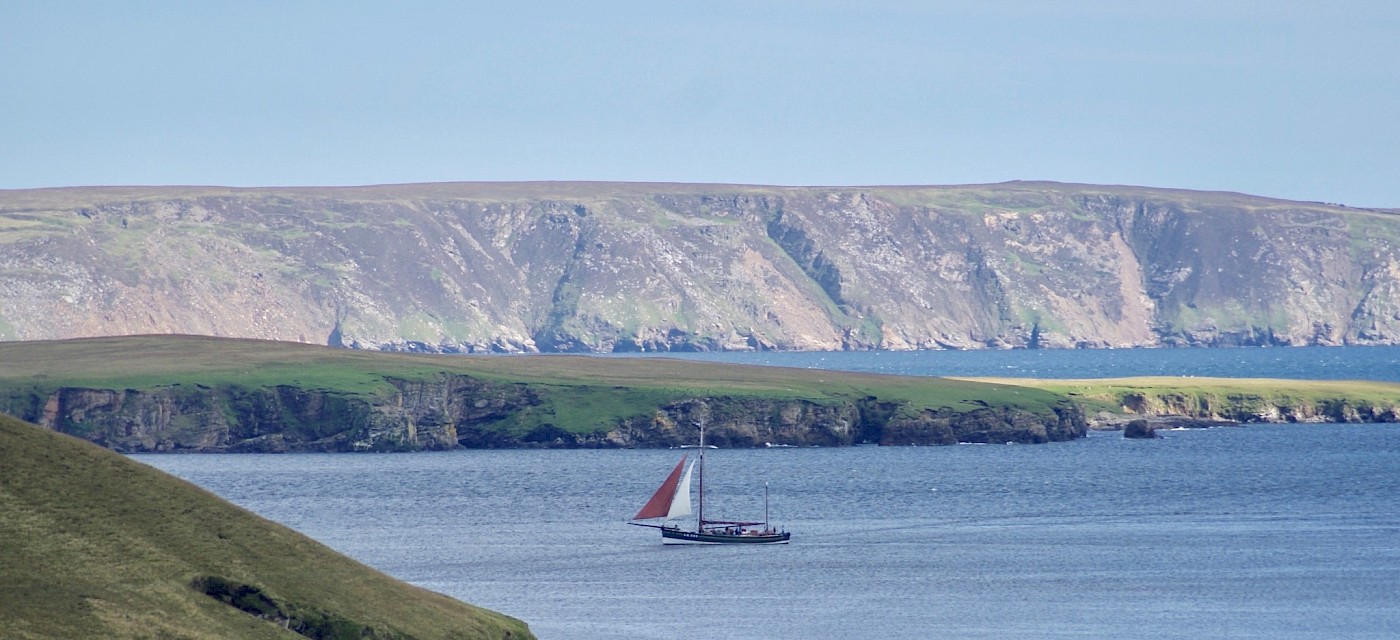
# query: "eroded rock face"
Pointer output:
{"type": "Point", "coordinates": [1247, 408]}
{"type": "Point", "coordinates": [204, 419]}
{"type": "Point", "coordinates": [986, 426]}
{"type": "Point", "coordinates": [1139, 429]}
{"type": "Point", "coordinates": [593, 267]}
{"type": "Point", "coordinates": [457, 411]}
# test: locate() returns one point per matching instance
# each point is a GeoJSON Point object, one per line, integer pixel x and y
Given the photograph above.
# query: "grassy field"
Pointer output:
{"type": "Point", "coordinates": [95, 545]}
{"type": "Point", "coordinates": [579, 393]}
{"type": "Point", "coordinates": [1223, 397]}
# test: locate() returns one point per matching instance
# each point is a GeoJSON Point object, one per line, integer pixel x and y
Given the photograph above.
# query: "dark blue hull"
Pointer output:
{"type": "Point", "coordinates": [678, 536]}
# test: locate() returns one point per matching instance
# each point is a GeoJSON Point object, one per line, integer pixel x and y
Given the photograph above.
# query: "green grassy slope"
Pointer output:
{"type": "Point", "coordinates": [579, 393]}
{"type": "Point", "coordinates": [97, 546]}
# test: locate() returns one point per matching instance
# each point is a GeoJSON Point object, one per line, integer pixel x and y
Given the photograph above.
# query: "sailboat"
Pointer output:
{"type": "Point", "coordinates": [672, 502]}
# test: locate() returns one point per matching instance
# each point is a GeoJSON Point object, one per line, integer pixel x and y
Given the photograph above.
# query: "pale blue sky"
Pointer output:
{"type": "Point", "coordinates": [1289, 99]}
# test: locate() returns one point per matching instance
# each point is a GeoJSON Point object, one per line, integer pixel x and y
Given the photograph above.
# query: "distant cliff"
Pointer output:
{"type": "Point", "coordinates": [623, 267]}
{"type": "Point", "coordinates": [452, 411]}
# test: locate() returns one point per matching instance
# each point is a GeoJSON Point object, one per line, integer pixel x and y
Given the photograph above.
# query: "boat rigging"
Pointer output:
{"type": "Point", "coordinates": [672, 502]}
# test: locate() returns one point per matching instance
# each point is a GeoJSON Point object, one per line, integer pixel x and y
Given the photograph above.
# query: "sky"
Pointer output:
{"type": "Point", "coordinates": [1289, 99]}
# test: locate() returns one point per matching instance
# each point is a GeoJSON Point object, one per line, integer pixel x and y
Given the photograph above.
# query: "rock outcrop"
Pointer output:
{"type": "Point", "coordinates": [1140, 430]}
{"type": "Point", "coordinates": [597, 267]}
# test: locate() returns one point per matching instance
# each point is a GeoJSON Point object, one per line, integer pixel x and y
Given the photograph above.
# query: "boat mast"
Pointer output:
{"type": "Point", "coordinates": [765, 505]}
{"type": "Point", "coordinates": [700, 513]}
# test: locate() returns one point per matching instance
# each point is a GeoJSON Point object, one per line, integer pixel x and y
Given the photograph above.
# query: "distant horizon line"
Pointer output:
{"type": "Point", "coordinates": [673, 183]}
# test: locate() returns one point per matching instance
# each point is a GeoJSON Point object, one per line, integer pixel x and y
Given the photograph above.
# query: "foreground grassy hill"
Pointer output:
{"type": "Point", "coordinates": [185, 392]}
{"type": "Point", "coordinates": [94, 545]}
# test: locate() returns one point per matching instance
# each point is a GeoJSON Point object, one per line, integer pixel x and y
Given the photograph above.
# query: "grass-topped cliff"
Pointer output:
{"type": "Point", "coordinates": [625, 267]}
{"type": "Point", "coordinates": [184, 392]}
{"type": "Point", "coordinates": [1230, 399]}
{"type": "Point", "coordinates": [95, 545]}
{"type": "Point", "coordinates": [165, 393]}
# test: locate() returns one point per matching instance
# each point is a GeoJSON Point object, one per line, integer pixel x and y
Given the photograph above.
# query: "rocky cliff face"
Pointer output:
{"type": "Point", "coordinates": [1248, 408]}
{"type": "Point", "coordinates": [619, 267]}
{"type": "Point", "coordinates": [457, 411]}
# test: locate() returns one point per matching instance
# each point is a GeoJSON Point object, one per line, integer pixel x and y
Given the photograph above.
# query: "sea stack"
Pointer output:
{"type": "Point", "coordinates": [1139, 429]}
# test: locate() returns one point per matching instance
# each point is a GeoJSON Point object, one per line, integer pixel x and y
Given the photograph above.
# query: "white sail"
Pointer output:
{"type": "Point", "coordinates": [680, 503]}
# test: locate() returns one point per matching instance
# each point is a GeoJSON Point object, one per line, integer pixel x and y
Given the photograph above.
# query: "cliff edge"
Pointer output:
{"type": "Point", "coordinates": [189, 393]}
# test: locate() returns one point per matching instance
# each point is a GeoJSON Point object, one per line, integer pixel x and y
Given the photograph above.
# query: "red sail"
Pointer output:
{"type": "Point", "coordinates": [660, 503]}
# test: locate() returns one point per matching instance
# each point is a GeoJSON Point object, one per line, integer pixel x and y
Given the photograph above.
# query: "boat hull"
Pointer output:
{"type": "Point", "coordinates": [678, 536]}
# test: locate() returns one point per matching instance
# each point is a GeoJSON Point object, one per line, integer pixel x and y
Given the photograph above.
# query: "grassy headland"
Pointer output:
{"type": "Point", "coordinates": [141, 362]}
{"type": "Point", "coordinates": [159, 393]}
{"type": "Point", "coordinates": [575, 394]}
{"type": "Point", "coordinates": [98, 546]}
{"type": "Point", "coordinates": [1231, 399]}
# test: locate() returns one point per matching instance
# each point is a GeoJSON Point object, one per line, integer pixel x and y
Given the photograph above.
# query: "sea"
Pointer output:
{"type": "Point", "coordinates": [1260, 531]}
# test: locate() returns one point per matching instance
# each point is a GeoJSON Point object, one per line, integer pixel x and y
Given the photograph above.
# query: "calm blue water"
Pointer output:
{"type": "Point", "coordinates": [1267, 531]}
